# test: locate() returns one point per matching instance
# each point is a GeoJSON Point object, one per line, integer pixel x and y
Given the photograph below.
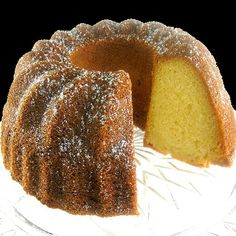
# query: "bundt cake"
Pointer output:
{"type": "Point", "coordinates": [67, 126]}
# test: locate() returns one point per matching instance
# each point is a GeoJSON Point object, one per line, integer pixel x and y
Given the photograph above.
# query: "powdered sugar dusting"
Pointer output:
{"type": "Point", "coordinates": [67, 144]}
{"type": "Point", "coordinates": [118, 148]}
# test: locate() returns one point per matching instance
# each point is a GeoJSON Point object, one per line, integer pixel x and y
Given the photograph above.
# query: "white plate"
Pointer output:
{"type": "Point", "coordinates": [174, 199]}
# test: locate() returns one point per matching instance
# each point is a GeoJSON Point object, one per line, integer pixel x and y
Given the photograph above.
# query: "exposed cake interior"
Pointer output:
{"type": "Point", "coordinates": [180, 117]}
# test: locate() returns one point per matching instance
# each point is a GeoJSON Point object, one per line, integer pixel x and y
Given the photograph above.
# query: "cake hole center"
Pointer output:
{"type": "Point", "coordinates": [131, 56]}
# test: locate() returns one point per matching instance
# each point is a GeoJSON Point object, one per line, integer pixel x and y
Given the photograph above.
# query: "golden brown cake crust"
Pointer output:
{"type": "Point", "coordinates": [25, 120]}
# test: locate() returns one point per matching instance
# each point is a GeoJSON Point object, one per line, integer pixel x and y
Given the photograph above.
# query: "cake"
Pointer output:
{"type": "Point", "coordinates": [67, 126]}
